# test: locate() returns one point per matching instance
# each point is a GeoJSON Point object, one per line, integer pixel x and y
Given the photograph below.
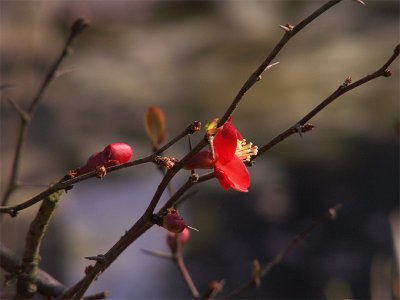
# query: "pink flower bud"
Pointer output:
{"type": "Point", "coordinates": [173, 222]}
{"type": "Point", "coordinates": [172, 239]}
{"type": "Point", "coordinates": [113, 154]}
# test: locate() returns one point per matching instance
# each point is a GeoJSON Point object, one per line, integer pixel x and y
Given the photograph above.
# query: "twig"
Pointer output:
{"type": "Point", "coordinates": [46, 284]}
{"type": "Point", "coordinates": [257, 73]}
{"type": "Point", "coordinates": [157, 253]}
{"type": "Point", "coordinates": [77, 27]}
{"type": "Point", "coordinates": [329, 215]}
{"type": "Point", "coordinates": [26, 283]}
{"type": "Point", "coordinates": [177, 257]}
{"type": "Point", "coordinates": [13, 210]}
{"type": "Point", "coordinates": [98, 296]}
{"type": "Point", "coordinates": [180, 263]}
{"type": "Point", "coordinates": [342, 89]}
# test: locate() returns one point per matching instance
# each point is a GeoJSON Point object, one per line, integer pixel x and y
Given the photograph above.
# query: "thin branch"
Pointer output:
{"type": "Point", "coordinates": [180, 263]}
{"type": "Point", "coordinates": [26, 284]}
{"type": "Point", "coordinates": [77, 27]}
{"type": "Point", "coordinates": [46, 284]}
{"type": "Point", "coordinates": [157, 253]}
{"type": "Point", "coordinates": [13, 210]}
{"type": "Point", "coordinates": [342, 89]}
{"type": "Point", "coordinates": [285, 38]}
{"type": "Point", "coordinates": [329, 215]}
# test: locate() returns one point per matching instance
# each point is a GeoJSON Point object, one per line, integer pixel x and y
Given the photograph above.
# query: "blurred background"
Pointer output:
{"type": "Point", "coordinates": [190, 58]}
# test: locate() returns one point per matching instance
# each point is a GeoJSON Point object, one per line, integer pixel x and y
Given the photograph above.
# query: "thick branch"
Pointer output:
{"type": "Point", "coordinates": [46, 284]}
{"type": "Point", "coordinates": [26, 283]}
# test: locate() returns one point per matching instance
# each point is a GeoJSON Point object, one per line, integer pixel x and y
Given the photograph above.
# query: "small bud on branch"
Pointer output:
{"type": "Point", "coordinates": [155, 125]}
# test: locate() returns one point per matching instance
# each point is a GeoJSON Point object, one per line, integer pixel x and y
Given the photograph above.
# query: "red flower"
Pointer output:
{"type": "Point", "coordinates": [230, 151]}
{"type": "Point", "coordinates": [113, 154]}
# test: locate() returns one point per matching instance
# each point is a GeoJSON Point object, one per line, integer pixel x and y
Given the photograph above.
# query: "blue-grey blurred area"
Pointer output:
{"type": "Point", "coordinates": [191, 58]}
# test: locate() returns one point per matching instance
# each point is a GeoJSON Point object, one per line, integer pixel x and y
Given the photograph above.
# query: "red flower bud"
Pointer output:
{"type": "Point", "coordinates": [172, 239]}
{"type": "Point", "coordinates": [113, 154]}
{"type": "Point", "coordinates": [173, 222]}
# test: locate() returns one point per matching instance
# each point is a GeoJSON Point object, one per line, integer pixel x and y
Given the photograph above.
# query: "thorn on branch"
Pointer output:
{"type": "Point", "coordinates": [266, 69]}
{"type": "Point", "coordinates": [98, 258]}
{"type": "Point", "coordinates": [288, 27]}
{"type": "Point", "coordinates": [360, 2]}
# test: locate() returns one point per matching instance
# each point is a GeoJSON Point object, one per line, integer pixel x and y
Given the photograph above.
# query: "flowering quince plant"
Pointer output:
{"type": "Point", "coordinates": [228, 153]}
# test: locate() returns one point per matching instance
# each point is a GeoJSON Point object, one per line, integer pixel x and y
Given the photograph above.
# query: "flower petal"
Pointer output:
{"type": "Point", "coordinates": [225, 142]}
{"type": "Point", "coordinates": [233, 174]}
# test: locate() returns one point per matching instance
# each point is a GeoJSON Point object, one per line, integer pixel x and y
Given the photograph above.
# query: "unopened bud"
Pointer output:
{"type": "Point", "coordinates": [174, 238]}
{"type": "Point", "coordinates": [173, 222]}
{"type": "Point", "coordinates": [112, 155]}
{"type": "Point", "coordinates": [155, 125]}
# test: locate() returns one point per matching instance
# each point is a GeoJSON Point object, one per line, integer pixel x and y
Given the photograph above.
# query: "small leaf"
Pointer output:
{"type": "Point", "coordinates": [155, 125]}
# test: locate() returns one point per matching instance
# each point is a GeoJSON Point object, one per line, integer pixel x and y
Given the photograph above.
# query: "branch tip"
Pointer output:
{"type": "Point", "coordinates": [78, 26]}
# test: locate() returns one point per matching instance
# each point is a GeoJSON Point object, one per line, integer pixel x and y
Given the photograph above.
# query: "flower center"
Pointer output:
{"type": "Point", "coordinates": [245, 151]}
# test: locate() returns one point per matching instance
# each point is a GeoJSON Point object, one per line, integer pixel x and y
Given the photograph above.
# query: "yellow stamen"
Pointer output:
{"type": "Point", "coordinates": [245, 151]}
